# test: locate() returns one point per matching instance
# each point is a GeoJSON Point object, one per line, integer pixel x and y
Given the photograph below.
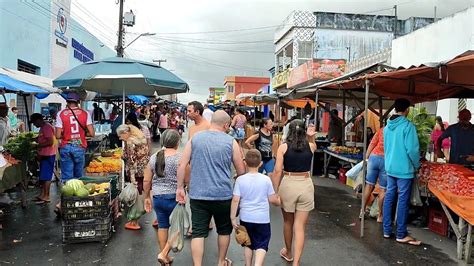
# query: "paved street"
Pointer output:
{"type": "Point", "coordinates": [33, 237]}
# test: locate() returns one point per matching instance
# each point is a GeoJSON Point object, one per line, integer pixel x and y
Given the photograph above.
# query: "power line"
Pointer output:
{"type": "Point", "coordinates": [219, 31]}
{"type": "Point", "coordinates": [216, 49]}
{"type": "Point", "coordinates": [211, 41]}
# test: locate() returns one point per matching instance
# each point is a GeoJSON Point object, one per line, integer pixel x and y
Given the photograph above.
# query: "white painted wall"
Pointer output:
{"type": "Point", "coordinates": [437, 42]}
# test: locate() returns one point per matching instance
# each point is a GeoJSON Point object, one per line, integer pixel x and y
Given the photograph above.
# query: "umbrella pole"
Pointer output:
{"type": "Point", "coordinates": [364, 170]}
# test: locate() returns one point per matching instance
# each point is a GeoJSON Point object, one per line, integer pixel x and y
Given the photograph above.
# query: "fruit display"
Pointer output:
{"type": "Point", "coordinates": [345, 150]}
{"type": "Point", "coordinates": [453, 178]}
{"type": "Point", "coordinates": [105, 165]}
{"type": "Point", "coordinates": [23, 146]}
{"type": "Point", "coordinates": [76, 187]}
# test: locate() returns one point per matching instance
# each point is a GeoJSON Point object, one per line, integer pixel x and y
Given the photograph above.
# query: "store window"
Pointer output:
{"type": "Point", "coordinates": [230, 89]}
{"type": "Point", "coordinates": [27, 67]}
{"type": "Point", "coordinates": [305, 51]}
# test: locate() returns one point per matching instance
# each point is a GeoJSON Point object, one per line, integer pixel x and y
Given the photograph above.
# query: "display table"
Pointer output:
{"type": "Point", "coordinates": [464, 208]}
{"type": "Point", "coordinates": [329, 154]}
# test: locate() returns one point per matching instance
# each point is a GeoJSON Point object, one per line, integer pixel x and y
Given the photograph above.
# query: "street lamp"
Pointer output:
{"type": "Point", "coordinates": [143, 34]}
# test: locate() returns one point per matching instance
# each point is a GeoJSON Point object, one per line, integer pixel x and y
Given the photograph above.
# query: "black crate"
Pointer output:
{"type": "Point", "coordinates": [91, 230]}
{"type": "Point", "coordinates": [75, 208]}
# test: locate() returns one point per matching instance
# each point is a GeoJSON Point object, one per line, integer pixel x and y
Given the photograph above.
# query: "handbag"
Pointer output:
{"type": "Point", "coordinates": [415, 198]}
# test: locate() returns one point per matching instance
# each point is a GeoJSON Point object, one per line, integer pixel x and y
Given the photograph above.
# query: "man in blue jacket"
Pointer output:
{"type": "Point", "coordinates": [402, 159]}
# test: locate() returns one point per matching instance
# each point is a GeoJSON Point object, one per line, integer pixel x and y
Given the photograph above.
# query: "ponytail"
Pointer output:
{"type": "Point", "coordinates": [160, 163]}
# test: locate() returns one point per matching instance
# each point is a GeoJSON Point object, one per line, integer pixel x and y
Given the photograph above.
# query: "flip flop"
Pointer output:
{"type": "Point", "coordinates": [409, 241]}
{"type": "Point", "coordinates": [155, 224]}
{"type": "Point", "coordinates": [284, 256]}
{"type": "Point", "coordinates": [57, 211]}
{"type": "Point", "coordinates": [228, 262]}
{"type": "Point", "coordinates": [130, 226]}
{"type": "Point", "coordinates": [42, 202]}
{"type": "Point", "coordinates": [36, 199]}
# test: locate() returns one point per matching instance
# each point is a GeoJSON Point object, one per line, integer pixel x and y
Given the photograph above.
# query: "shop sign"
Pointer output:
{"type": "Point", "coordinates": [81, 53]}
{"type": "Point", "coordinates": [316, 70]}
{"type": "Point", "coordinates": [281, 79]}
{"type": "Point", "coordinates": [61, 29]}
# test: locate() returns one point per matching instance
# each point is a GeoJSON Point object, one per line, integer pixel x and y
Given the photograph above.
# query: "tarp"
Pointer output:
{"type": "Point", "coordinates": [427, 82]}
{"type": "Point", "coordinates": [13, 85]}
{"type": "Point", "coordinates": [462, 206]}
{"type": "Point", "coordinates": [34, 80]}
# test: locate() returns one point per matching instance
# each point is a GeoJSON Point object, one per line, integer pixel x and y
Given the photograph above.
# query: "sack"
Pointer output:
{"type": "Point", "coordinates": [129, 194]}
{"type": "Point", "coordinates": [179, 226]}
{"type": "Point", "coordinates": [415, 198]}
{"type": "Point", "coordinates": [374, 209]}
{"type": "Point", "coordinates": [354, 171]}
{"type": "Point", "coordinates": [137, 210]}
{"type": "Point", "coordinates": [242, 237]}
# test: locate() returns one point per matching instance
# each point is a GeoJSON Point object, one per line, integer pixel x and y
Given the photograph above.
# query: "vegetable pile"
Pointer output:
{"type": "Point", "coordinates": [76, 187]}
{"type": "Point", "coordinates": [453, 178]}
{"type": "Point", "coordinates": [23, 146]}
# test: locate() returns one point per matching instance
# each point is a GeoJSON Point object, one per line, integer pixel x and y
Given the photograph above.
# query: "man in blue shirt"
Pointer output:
{"type": "Point", "coordinates": [462, 139]}
{"type": "Point", "coordinates": [402, 159]}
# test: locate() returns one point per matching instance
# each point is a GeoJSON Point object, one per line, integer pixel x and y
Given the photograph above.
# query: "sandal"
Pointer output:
{"type": "Point", "coordinates": [228, 262]}
{"type": "Point", "coordinates": [155, 224]}
{"type": "Point", "coordinates": [57, 211]}
{"type": "Point", "coordinates": [131, 226]}
{"type": "Point", "coordinates": [409, 241]}
{"type": "Point", "coordinates": [283, 255]}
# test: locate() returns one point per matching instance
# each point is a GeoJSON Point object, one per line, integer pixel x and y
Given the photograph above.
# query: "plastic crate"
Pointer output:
{"type": "Point", "coordinates": [75, 208]}
{"type": "Point", "coordinates": [113, 179]}
{"type": "Point", "coordinates": [438, 222]}
{"type": "Point", "coordinates": [90, 230]}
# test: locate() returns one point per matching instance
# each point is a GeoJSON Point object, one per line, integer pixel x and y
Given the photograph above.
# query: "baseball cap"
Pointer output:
{"type": "Point", "coordinates": [72, 97]}
{"type": "Point", "coordinates": [464, 115]}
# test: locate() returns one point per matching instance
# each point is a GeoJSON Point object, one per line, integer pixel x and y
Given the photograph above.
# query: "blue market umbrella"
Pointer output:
{"type": "Point", "coordinates": [119, 76]}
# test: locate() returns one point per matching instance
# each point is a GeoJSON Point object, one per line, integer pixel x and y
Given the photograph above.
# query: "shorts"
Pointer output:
{"type": "Point", "coordinates": [164, 206]}
{"type": "Point", "coordinates": [239, 133]}
{"type": "Point", "coordinates": [267, 165]}
{"type": "Point", "coordinates": [203, 210]}
{"type": "Point", "coordinates": [296, 193]}
{"type": "Point", "coordinates": [376, 169]}
{"type": "Point", "coordinates": [47, 167]}
{"type": "Point", "coordinates": [259, 235]}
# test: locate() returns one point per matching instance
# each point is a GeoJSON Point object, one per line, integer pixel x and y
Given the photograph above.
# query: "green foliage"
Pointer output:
{"type": "Point", "coordinates": [23, 147]}
{"type": "Point", "coordinates": [424, 123]}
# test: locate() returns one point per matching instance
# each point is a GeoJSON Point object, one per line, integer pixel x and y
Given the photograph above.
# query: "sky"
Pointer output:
{"type": "Point", "coordinates": [205, 40]}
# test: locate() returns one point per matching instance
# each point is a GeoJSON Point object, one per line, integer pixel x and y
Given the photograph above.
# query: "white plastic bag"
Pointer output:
{"type": "Point", "coordinates": [129, 194]}
{"type": "Point", "coordinates": [354, 171]}
{"type": "Point", "coordinates": [415, 198]}
{"type": "Point", "coordinates": [179, 226]}
{"type": "Point", "coordinates": [374, 209]}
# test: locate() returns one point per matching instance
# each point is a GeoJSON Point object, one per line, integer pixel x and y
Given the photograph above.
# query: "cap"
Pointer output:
{"type": "Point", "coordinates": [72, 97]}
{"type": "Point", "coordinates": [464, 115]}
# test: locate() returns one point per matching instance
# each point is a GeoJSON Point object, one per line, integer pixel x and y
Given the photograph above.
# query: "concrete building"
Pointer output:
{"type": "Point", "coordinates": [216, 95]}
{"type": "Point", "coordinates": [40, 37]}
{"type": "Point", "coordinates": [235, 85]}
{"type": "Point", "coordinates": [440, 41]}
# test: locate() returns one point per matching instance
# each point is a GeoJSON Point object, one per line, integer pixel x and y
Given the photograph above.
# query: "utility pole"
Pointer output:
{"type": "Point", "coordinates": [159, 61]}
{"type": "Point", "coordinates": [396, 22]}
{"type": "Point", "coordinates": [119, 47]}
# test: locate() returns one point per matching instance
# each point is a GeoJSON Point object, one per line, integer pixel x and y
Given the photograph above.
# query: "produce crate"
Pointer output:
{"type": "Point", "coordinates": [90, 230]}
{"type": "Point", "coordinates": [75, 208]}
{"type": "Point", "coordinates": [438, 222]}
{"type": "Point", "coordinates": [112, 178]}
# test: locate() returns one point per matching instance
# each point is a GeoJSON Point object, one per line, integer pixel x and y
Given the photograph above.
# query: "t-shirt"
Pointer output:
{"type": "Point", "coordinates": [378, 141]}
{"type": "Point", "coordinates": [253, 190]}
{"type": "Point", "coordinates": [207, 114]}
{"type": "Point", "coordinates": [169, 183]}
{"type": "Point", "coordinates": [72, 129]}
{"type": "Point", "coordinates": [163, 121]}
{"type": "Point", "coordinates": [462, 142]}
{"type": "Point", "coordinates": [47, 132]}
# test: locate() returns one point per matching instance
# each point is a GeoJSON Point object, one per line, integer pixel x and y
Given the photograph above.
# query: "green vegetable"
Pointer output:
{"type": "Point", "coordinates": [82, 192]}
{"type": "Point", "coordinates": [67, 191]}
{"type": "Point", "coordinates": [76, 184]}
{"type": "Point", "coordinates": [424, 123]}
{"type": "Point", "coordinates": [23, 147]}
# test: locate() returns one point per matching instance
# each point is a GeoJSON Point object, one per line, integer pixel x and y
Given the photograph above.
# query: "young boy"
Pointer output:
{"type": "Point", "coordinates": [253, 192]}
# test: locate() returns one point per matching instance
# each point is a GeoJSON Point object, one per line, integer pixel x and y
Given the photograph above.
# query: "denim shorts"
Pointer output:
{"type": "Point", "coordinates": [376, 169]}
{"type": "Point", "coordinates": [268, 166]}
{"type": "Point", "coordinates": [240, 133]}
{"type": "Point", "coordinates": [47, 167]}
{"type": "Point", "coordinates": [164, 206]}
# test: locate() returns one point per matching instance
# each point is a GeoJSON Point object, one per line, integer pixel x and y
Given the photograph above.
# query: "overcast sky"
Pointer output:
{"type": "Point", "coordinates": [205, 40]}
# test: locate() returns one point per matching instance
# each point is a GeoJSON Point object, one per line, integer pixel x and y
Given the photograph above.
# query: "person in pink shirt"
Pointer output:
{"type": "Point", "coordinates": [47, 149]}
{"type": "Point", "coordinates": [438, 129]}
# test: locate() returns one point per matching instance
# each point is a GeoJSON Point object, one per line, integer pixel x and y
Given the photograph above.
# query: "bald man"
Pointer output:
{"type": "Point", "coordinates": [211, 154]}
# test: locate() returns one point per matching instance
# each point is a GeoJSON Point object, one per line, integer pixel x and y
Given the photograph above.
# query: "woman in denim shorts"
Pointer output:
{"type": "Point", "coordinates": [375, 170]}
{"type": "Point", "coordinates": [160, 176]}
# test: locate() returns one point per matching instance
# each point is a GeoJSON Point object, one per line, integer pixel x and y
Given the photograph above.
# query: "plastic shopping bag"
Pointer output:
{"type": "Point", "coordinates": [137, 210]}
{"type": "Point", "coordinates": [415, 198]}
{"type": "Point", "coordinates": [129, 194]}
{"type": "Point", "coordinates": [354, 171]}
{"type": "Point", "coordinates": [179, 226]}
{"type": "Point", "coordinates": [374, 209]}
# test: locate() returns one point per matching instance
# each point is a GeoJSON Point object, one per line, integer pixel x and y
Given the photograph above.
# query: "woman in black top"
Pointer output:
{"type": "Point", "coordinates": [296, 188]}
{"type": "Point", "coordinates": [263, 141]}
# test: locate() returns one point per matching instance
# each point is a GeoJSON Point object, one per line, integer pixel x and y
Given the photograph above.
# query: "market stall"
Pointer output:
{"type": "Point", "coordinates": [351, 155]}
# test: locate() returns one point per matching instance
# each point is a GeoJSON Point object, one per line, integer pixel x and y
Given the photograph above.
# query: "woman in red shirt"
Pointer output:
{"type": "Point", "coordinates": [375, 170]}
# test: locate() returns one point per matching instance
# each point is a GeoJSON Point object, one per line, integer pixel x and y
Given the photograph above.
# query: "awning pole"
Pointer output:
{"type": "Point", "coordinates": [279, 122]}
{"type": "Point", "coordinates": [316, 98]}
{"type": "Point", "coordinates": [123, 142]}
{"type": "Point", "coordinates": [27, 112]}
{"type": "Point", "coordinates": [364, 170]}
{"type": "Point", "coordinates": [344, 117]}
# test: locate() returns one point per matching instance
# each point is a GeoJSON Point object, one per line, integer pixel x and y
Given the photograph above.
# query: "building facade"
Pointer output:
{"type": "Point", "coordinates": [216, 95]}
{"type": "Point", "coordinates": [41, 38]}
{"type": "Point", "coordinates": [235, 85]}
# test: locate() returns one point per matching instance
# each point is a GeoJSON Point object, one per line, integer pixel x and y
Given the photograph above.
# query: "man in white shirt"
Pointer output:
{"type": "Point", "coordinates": [207, 114]}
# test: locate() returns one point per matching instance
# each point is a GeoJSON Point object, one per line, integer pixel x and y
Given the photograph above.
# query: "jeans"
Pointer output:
{"type": "Point", "coordinates": [403, 186]}
{"type": "Point", "coordinates": [268, 166]}
{"type": "Point", "coordinates": [72, 161]}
